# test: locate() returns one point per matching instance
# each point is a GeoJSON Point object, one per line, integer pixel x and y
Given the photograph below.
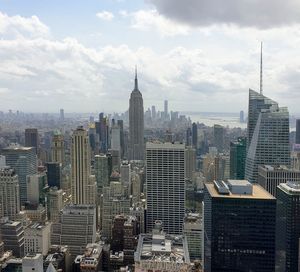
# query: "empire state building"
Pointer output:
{"type": "Point", "coordinates": [136, 123]}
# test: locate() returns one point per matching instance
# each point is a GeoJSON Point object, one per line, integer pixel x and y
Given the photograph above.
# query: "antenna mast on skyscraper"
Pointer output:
{"type": "Point", "coordinates": [261, 72]}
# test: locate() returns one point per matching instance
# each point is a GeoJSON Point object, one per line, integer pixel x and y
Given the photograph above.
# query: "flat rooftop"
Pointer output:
{"type": "Point", "coordinates": [258, 193]}
{"type": "Point", "coordinates": [158, 145]}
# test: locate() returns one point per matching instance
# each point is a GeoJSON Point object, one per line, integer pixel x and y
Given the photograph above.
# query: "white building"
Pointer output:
{"type": "Point", "coordinates": [165, 181]}
{"type": "Point", "coordinates": [32, 262]}
{"type": "Point", "coordinates": [37, 238]}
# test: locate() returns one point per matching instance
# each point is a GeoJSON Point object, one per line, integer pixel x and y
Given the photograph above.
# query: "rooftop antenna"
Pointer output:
{"type": "Point", "coordinates": [261, 72]}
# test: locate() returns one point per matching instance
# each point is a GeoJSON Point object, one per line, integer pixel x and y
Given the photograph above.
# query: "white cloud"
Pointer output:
{"type": "Point", "coordinates": [105, 15]}
{"type": "Point", "coordinates": [149, 20]}
{"type": "Point", "coordinates": [39, 73]}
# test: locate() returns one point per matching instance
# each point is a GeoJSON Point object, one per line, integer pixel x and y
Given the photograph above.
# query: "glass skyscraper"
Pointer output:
{"type": "Point", "coordinates": [269, 142]}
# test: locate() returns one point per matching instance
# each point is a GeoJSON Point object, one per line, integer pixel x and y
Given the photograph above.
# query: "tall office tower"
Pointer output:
{"type": "Point", "coordinates": [135, 186]}
{"type": "Point", "coordinates": [188, 137]}
{"type": "Point", "coordinates": [102, 131]}
{"type": "Point", "coordinates": [297, 140]}
{"type": "Point", "coordinates": [136, 124]}
{"type": "Point", "coordinates": [54, 174]}
{"type": "Point", "coordinates": [165, 179]}
{"type": "Point", "coordinates": [125, 172]}
{"type": "Point", "coordinates": [242, 118]}
{"type": "Point", "coordinates": [76, 228]}
{"type": "Point", "coordinates": [257, 103]}
{"type": "Point", "coordinates": [12, 233]}
{"type": "Point", "coordinates": [166, 110]}
{"type": "Point", "coordinates": [36, 186]}
{"type": "Point", "coordinates": [61, 115]}
{"type": "Point", "coordinates": [32, 262]}
{"type": "Point", "coordinates": [32, 138]}
{"type": "Point", "coordinates": [101, 172]}
{"type": "Point", "coordinates": [115, 137]}
{"type": "Point", "coordinates": [270, 140]}
{"type": "Point", "coordinates": [238, 158]}
{"type": "Point", "coordinates": [58, 148]}
{"type": "Point", "coordinates": [288, 227]}
{"type": "Point", "coordinates": [54, 203]}
{"type": "Point", "coordinates": [9, 193]}
{"type": "Point", "coordinates": [239, 227]}
{"type": "Point", "coordinates": [24, 161]}
{"type": "Point", "coordinates": [115, 201]}
{"type": "Point", "coordinates": [153, 113]}
{"type": "Point", "coordinates": [122, 140]}
{"type": "Point", "coordinates": [269, 177]}
{"type": "Point", "coordinates": [195, 135]}
{"type": "Point", "coordinates": [81, 166]}
{"type": "Point", "coordinates": [219, 138]}
{"type": "Point", "coordinates": [190, 162]}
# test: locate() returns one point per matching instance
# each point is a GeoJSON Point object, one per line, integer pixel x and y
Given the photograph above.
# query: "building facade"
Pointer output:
{"type": "Point", "coordinates": [165, 183]}
{"type": "Point", "coordinates": [239, 227]}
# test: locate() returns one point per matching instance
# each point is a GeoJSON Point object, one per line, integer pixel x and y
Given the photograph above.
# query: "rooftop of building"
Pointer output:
{"type": "Point", "coordinates": [192, 221]}
{"type": "Point", "coordinates": [224, 192]}
{"type": "Point", "coordinates": [32, 256]}
{"type": "Point", "coordinates": [167, 145]}
{"type": "Point", "coordinates": [291, 187]}
{"type": "Point", "coordinates": [17, 147]}
{"type": "Point", "coordinates": [277, 168]}
{"type": "Point", "coordinates": [37, 226]}
{"type": "Point", "coordinates": [161, 247]}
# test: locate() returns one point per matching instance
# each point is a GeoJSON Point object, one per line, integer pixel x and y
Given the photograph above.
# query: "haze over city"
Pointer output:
{"type": "Point", "coordinates": [80, 55]}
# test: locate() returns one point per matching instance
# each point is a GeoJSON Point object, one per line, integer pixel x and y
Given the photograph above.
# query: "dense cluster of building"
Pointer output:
{"type": "Point", "coordinates": [151, 191]}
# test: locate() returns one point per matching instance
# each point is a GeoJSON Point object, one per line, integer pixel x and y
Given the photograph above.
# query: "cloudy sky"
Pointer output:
{"type": "Point", "coordinates": [201, 55]}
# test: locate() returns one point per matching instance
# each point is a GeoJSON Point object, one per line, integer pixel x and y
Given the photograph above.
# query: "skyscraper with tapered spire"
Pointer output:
{"type": "Point", "coordinates": [136, 123]}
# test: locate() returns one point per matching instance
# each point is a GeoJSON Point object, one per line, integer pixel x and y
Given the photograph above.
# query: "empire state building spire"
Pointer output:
{"type": "Point", "coordinates": [136, 86]}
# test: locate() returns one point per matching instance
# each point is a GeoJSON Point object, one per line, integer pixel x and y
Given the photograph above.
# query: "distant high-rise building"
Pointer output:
{"type": "Point", "coordinates": [166, 110]}
{"type": "Point", "coordinates": [136, 124]}
{"type": "Point", "coordinates": [2, 161]}
{"type": "Point", "coordinates": [9, 193]}
{"type": "Point", "coordinates": [288, 227]}
{"type": "Point", "coordinates": [297, 140]}
{"type": "Point", "coordinates": [239, 227]}
{"type": "Point", "coordinates": [125, 172]}
{"type": "Point", "coordinates": [190, 162]}
{"type": "Point", "coordinates": [153, 112]}
{"type": "Point", "coordinates": [102, 131]}
{"type": "Point", "coordinates": [219, 138]}
{"type": "Point", "coordinates": [269, 177]}
{"type": "Point", "coordinates": [76, 228]}
{"type": "Point", "coordinates": [238, 158]}
{"type": "Point", "coordinates": [61, 115]}
{"type": "Point", "coordinates": [24, 161]}
{"type": "Point", "coordinates": [122, 139]}
{"type": "Point", "coordinates": [165, 179]}
{"type": "Point", "coordinates": [54, 174]}
{"type": "Point", "coordinates": [81, 178]}
{"type": "Point", "coordinates": [188, 137]}
{"type": "Point", "coordinates": [32, 138]}
{"type": "Point", "coordinates": [195, 135]}
{"type": "Point", "coordinates": [270, 139]}
{"type": "Point", "coordinates": [58, 148]}
{"type": "Point", "coordinates": [101, 172]}
{"type": "Point", "coordinates": [242, 118]}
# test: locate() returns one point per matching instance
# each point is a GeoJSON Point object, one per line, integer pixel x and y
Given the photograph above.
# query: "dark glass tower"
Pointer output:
{"type": "Point", "coordinates": [297, 140]}
{"type": "Point", "coordinates": [288, 227]}
{"type": "Point", "coordinates": [54, 174]}
{"type": "Point", "coordinates": [238, 158]}
{"type": "Point", "coordinates": [239, 227]}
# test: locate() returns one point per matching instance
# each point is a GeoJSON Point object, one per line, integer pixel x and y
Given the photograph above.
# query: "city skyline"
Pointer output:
{"type": "Point", "coordinates": [77, 57]}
